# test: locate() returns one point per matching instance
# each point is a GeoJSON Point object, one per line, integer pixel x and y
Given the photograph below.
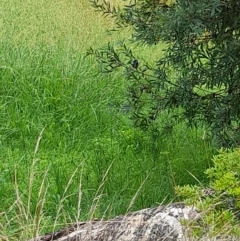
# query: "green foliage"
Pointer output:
{"type": "Point", "coordinates": [91, 162]}
{"type": "Point", "coordinates": [86, 132]}
{"type": "Point", "coordinates": [219, 203]}
{"type": "Point", "coordinates": [224, 175]}
{"type": "Point", "coordinates": [198, 71]}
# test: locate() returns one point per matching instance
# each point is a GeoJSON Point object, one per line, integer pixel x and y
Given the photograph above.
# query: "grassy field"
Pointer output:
{"type": "Point", "coordinates": [68, 151]}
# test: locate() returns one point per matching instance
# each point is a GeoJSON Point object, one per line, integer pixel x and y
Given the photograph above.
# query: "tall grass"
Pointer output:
{"type": "Point", "coordinates": [91, 162]}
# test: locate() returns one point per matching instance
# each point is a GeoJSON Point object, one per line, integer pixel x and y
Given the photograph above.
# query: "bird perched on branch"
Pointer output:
{"type": "Point", "coordinates": [135, 64]}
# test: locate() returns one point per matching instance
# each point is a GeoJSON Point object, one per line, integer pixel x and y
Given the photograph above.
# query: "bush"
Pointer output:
{"type": "Point", "coordinates": [220, 201]}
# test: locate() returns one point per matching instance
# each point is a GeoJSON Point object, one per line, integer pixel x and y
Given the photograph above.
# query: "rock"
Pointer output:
{"type": "Point", "coordinates": [152, 224]}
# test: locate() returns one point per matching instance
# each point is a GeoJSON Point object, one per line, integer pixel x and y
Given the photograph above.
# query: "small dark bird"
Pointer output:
{"type": "Point", "coordinates": [135, 64]}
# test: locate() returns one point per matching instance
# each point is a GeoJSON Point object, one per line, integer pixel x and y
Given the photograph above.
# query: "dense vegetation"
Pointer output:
{"type": "Point", "coordinates": [194, 78]}
{"type": "Point", "coordinates": [198, 74]}
{"type": "Point", "coordinates": [68, 149]}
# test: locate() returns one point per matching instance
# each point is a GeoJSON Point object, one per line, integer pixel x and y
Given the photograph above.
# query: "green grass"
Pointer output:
{"type": "Point", "coordinates": [90, 161]}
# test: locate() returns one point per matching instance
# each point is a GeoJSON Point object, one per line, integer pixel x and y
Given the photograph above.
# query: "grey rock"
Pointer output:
{"type": "Point", "coordinates": [161, 223]}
